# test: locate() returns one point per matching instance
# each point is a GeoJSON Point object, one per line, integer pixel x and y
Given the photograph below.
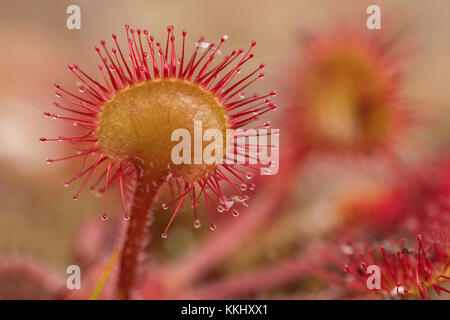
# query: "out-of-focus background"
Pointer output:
{"type": "Point", "coordinates": [38, 218]}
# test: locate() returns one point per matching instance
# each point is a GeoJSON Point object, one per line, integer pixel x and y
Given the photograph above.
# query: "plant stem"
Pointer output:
{"type": "Point", "coordinates": [137, 234]}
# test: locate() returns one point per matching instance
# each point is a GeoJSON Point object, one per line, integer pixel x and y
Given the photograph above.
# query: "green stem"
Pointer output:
{"type": "Point", "coordinates": [137, 234]}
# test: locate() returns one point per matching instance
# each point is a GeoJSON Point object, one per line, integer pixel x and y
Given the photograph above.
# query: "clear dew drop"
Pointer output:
{"type": "Point", "coordinates": [75, 197]}
{"type": "Point", "coordinates": [220, 208]}
{"type": "Point", "coordinates": [126, 216]}
{"type": "Point", "coordinates": [235, 213]}
{"type": "Point", "coordinates": [165, 206]}
{"type": "Point", "coordinates": [243, 187]}
{"type": "Point", "coordinates": [252, 187]}
{"type": "Point", "coordinates": [228, 204]}
{"type": "Point", "coordinates": [104, 217]}
{"type": "Point", "coordinates": [249, 175]}
{"type": "Point", "coordinates": [197, 224]}
{"type": "Point", "coordinates": [212, 227]}
{"type": "Point", "coordinates": [164, 235]}
{"type": "Point", "coordinates": [66, 184]}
